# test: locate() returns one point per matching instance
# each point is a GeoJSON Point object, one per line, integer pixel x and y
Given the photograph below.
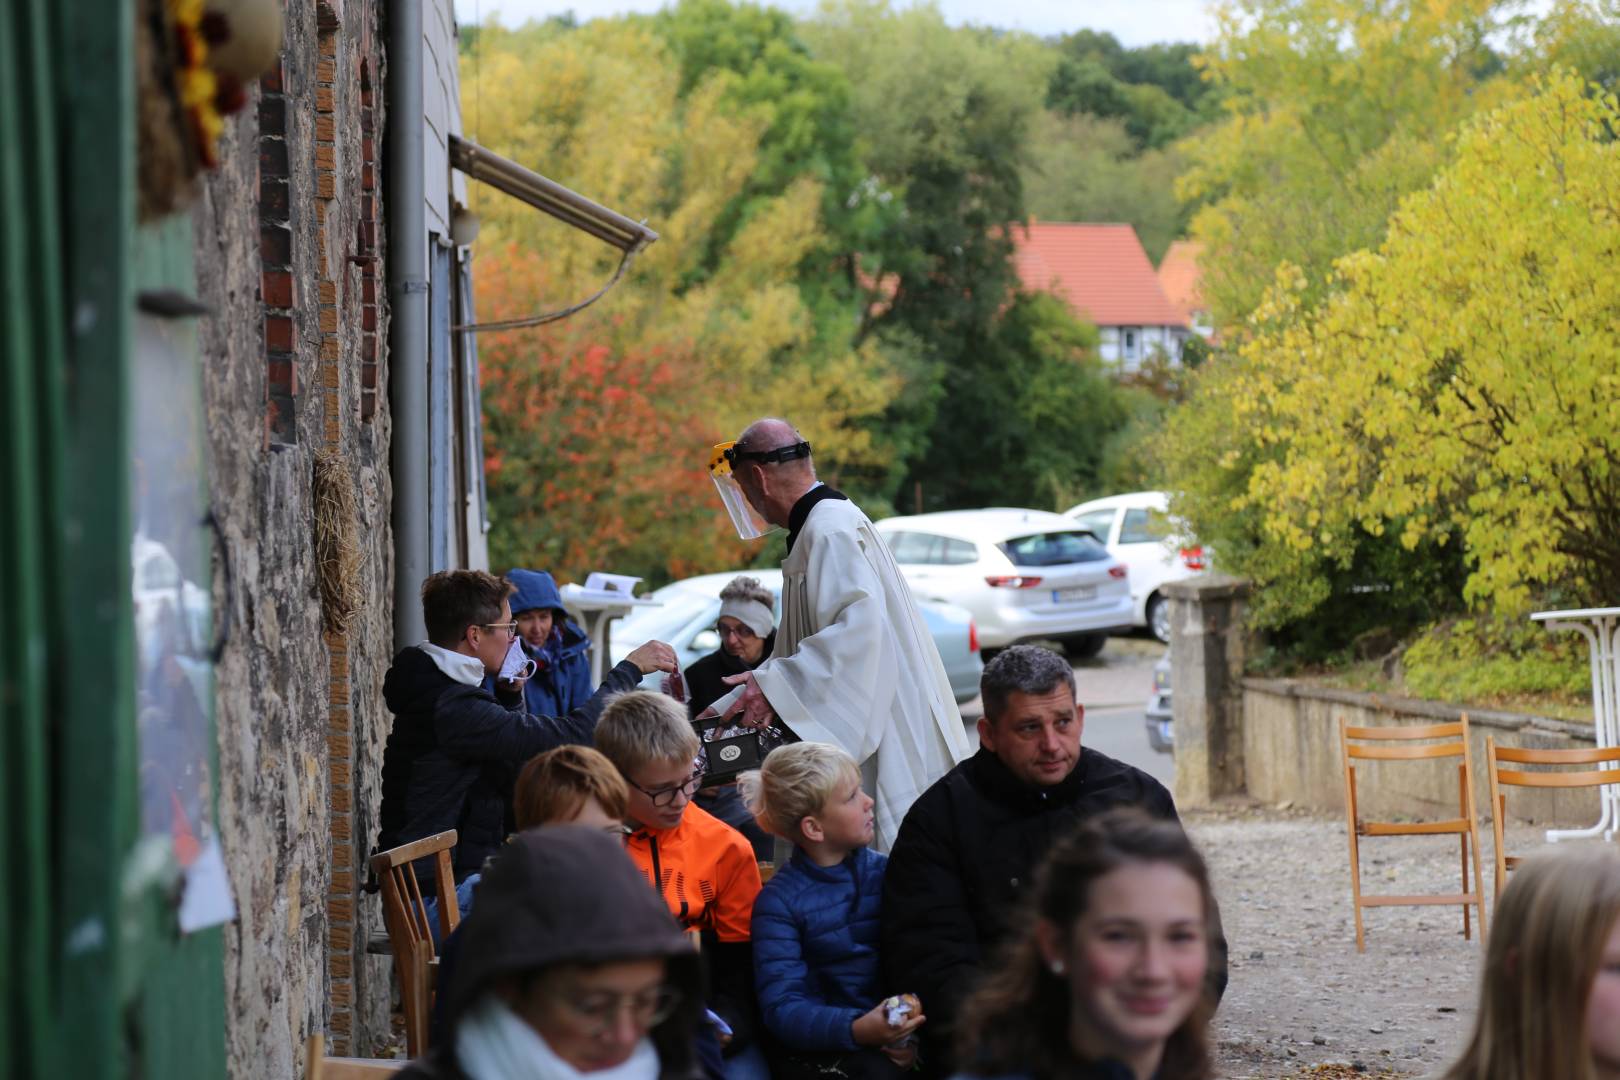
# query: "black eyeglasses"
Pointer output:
{"type": "Point", "coordinates": [509, 627]}
{"type": "Point", "coordinates": [665, 796]}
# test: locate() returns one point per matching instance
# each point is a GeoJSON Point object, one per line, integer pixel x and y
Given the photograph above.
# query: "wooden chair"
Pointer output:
{"type": "Point", "coordinates": [405, 914]}
{"type": "Point", "coordinates": [317, 1066]}
{"type": "Point", "coordinates": [1465, 826]}
{"type": "Point", "coordinates": [1500, 778]}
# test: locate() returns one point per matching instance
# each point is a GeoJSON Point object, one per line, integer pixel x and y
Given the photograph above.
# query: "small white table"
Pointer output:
{"type": "Point", "coordinates": [1601, 628]}
{"type": "Point", "coordinates": [596, 609]}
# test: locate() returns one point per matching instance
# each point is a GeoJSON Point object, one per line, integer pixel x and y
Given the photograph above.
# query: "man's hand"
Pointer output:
{"type": "Point", "coordinates": [653, 656]}
{"type": "Point", "coordinates": [750, 709]}
{"type": "Point", "coordinates": [511, 686]}
{"type": "Point", "coordinates": [873, 1028]}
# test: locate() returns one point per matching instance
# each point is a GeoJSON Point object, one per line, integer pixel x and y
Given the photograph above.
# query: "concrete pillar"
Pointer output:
{"type": "Point", "coordinates": [1206, 661]}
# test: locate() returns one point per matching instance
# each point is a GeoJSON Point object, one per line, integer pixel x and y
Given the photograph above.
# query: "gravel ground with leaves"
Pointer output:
{"type": "Point", "coordinates": [1302, 1002]}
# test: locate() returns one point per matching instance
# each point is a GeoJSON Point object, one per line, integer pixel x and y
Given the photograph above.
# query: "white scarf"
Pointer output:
{"type": "Point", "coordinates": [467, 670]}
{"type": "Point", "coordinates": [493, 1043]}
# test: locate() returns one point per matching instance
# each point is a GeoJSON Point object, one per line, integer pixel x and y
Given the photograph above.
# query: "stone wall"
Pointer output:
{"type": "Point", "coordinates": [288, 259]}
{"type": "Point", "coordinates": [1292, 754]}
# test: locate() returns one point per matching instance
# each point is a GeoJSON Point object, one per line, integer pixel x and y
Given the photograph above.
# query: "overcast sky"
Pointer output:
{"type": "Point", "coordinates": [1134, 22]}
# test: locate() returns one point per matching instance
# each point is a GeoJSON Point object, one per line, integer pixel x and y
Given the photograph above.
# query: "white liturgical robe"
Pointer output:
{"type": "Point", "coordinates": [855, 665]}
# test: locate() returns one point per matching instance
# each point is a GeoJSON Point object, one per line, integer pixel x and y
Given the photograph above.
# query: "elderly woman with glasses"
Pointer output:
{"type": "Point", "coordinates": [747, 629]}
{"type": "Point", "coordinates": [570, 965]}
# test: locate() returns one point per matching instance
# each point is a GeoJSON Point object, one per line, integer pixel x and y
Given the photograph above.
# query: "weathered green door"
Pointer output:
{"type": "Point", "coordinates": [97, 979]}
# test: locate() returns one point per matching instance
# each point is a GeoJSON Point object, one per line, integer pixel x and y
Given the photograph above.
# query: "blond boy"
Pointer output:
{"type": "Point", "coordinates": [816, 923]}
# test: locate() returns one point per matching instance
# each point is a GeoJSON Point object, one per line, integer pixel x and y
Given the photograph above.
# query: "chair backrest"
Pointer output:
{"type": "Point", "coordinates": [404, 907]}
{"type": "Point", "coordinates": [317, 1066]}
{"type": "Point", "coordinates": [1522, 778]}
{"type": "Point", "coordinates": [1457, 731]}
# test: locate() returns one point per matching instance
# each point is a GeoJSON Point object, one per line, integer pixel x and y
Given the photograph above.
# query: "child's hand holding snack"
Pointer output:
{"type": "Point", "coordinates": [890, 1021]}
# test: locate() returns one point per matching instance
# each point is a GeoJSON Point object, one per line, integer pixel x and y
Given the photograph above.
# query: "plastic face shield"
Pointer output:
{"type": "Point", "coordinates": [749, 525]}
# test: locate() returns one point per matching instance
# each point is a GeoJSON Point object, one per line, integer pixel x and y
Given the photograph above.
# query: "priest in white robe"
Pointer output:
{"type": "Point", "coordinates": [854, 662]}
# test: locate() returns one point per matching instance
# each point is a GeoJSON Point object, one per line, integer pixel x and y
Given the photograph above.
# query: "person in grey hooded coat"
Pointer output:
{"type": "Point", "coordinates": [569, 965]}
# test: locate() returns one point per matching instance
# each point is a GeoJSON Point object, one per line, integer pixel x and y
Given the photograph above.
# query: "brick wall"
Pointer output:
{"type": "Point", "coordinates": [287, 258]}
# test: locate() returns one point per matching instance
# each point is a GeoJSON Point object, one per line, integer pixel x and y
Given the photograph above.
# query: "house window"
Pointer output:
{"type": "Point", "coordinates": [1131, 346]}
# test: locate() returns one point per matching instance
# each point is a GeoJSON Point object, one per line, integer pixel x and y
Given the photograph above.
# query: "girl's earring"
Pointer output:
{"type": "Point", "coordinates": [1057, 967]}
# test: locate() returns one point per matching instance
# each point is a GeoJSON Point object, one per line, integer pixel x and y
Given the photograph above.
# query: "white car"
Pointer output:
{"type": "Point", "coordinates": [687, 609]}
{"type": "Point", "coordinates": [1026, 575]}
{"type": "Point", "coordinates": [1156, 550]}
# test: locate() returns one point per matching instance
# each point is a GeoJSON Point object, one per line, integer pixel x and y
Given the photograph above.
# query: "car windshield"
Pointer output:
{"type": "Point", "coordinates": [659, 623]}
{"type": "Point", "coordinates": [1053, 549]}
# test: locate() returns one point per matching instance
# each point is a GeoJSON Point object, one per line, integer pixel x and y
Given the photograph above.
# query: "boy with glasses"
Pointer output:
{"type": "Point", "coordinates": [455, 747]}
{"type": "Point", "coordinates": [702, 867]}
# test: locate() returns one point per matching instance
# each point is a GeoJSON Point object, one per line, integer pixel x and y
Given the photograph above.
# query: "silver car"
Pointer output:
{"type": "Point", "coordinates": [687, 610]}
{"type": "Point", "coordinates": [1159, 732]}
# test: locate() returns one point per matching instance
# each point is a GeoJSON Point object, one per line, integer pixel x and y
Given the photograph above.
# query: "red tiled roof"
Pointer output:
{"type": "Point", "coordinates": [1101, 270]}
{"type": "Point", "coordinates": [1178, 277]}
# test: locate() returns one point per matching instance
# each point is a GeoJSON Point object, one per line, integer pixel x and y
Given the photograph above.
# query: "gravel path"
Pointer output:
{"type": "Point", "coordinates": [1301, 998]}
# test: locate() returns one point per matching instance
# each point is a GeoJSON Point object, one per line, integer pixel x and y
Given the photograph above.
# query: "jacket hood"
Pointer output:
{"type": "Point", "coordinates": [565, 894]}
{"type": "Point", "coordinates": [413, 678]}
{"type": "Point", "coordinates": [535, 589]}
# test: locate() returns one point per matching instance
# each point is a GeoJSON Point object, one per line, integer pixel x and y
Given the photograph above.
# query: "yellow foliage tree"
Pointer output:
{"type": "Point", "coordinates": [1334, 110]}
{"type": "Point", "coordinates": [1461, 381]}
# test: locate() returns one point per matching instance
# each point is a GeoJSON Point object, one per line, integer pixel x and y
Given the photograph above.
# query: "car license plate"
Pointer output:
{"type": "Point", "coordinates": [1071, 595]}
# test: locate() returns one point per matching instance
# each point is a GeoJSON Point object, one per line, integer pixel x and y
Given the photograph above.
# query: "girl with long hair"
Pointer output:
{"type": "Point", "coordinates": [1549, 1000]}
{"type": "Point", "coordinates": [1108, 978]}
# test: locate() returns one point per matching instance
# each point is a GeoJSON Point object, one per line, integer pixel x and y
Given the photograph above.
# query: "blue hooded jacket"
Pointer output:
{"type": "Point", "coordinates": [815, 937]}
{"type": "Point", "coordinates": [562, 681]}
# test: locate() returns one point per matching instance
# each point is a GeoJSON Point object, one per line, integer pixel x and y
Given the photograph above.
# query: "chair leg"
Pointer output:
{"type": "Point", "coordinates": [1501, 855]}
{"type": "Point", "coordinates": [1355, 856]}
{"type": "Point", "coordinates": [1462, 803]}
{"type": "Point", "coordinates": [410, 994]}
{"type": "Point", "coordinates": [1479, 883]}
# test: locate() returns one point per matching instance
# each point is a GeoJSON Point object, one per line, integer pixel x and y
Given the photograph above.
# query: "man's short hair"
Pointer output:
{"type": "Point", "coordinates": [453, 600]}
{"type": "Point", "coordinates": [1023, 669]}
{"type": "Point", "coordinates": [642, 728]}
{"type": "Point", "coordinates": [553, 787]}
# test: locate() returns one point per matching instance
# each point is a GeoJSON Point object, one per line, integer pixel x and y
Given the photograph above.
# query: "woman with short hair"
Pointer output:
{"type": "Point", "coordinates": [1107, 980]}
{"type": "Point", "coordinates": [1549, 1000]}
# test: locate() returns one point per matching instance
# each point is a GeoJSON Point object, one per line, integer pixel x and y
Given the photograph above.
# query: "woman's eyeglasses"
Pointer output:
{"type": "Point", "coordinates": [597, 1012]}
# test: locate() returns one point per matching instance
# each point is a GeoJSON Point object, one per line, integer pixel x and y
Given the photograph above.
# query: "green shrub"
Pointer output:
{"type": "Point", "coordinates": [1494, 660]}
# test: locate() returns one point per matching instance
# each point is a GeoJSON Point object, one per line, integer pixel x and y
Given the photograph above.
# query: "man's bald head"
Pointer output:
{"type": "Point", "coordinates": [770, 433]}
{"type": "Point", "coordinates": [773, 488]}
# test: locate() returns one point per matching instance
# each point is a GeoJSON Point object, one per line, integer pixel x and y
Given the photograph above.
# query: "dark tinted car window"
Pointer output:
{"type": "Point", "coordinates": [1053, 549]}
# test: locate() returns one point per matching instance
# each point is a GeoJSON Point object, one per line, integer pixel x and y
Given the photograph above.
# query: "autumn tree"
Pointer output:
{"type": "Point", "coordinates": [1457, 390]}
{"type": "Point", "coordinates": [1334, 109]}
{"type": "Point", "coordinates": [612, 118]}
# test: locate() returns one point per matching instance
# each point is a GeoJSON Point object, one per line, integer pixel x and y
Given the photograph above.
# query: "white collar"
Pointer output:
{"type": "Point", "coordinates": [467, 670]}
{"type": "Point", "coordinates": [494, 1043]}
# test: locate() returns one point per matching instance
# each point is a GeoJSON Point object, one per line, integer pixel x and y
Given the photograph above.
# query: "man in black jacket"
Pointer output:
{"type": "Point", "coordinates": [455, 748]}
{"type": "Point", "coordinates": [968, 848]}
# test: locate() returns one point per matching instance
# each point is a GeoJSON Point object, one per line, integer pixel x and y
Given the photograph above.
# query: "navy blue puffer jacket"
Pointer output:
{"type": "Point", "coordinates": [815, 936]}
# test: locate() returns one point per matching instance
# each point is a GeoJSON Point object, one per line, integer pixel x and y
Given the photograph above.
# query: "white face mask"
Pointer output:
{"type": "Point", "coordinates": [518, 664]}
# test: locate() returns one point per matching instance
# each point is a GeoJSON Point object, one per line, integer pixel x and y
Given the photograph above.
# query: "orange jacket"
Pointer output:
{"type": "Point", "coordinates": [705, 871]}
